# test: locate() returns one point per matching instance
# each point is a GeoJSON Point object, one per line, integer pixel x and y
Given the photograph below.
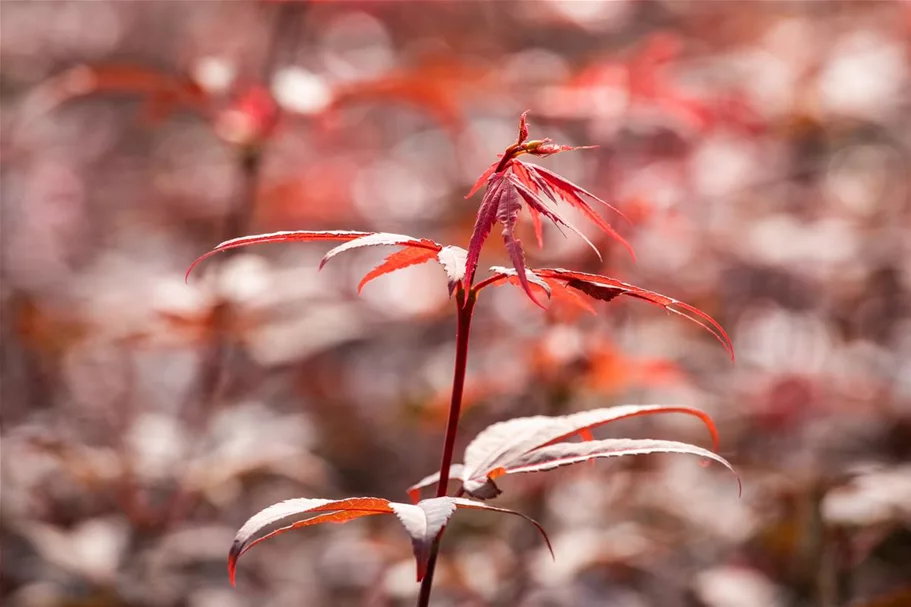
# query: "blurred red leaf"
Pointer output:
{"type": "Point", "coordinates": [162, 91]}
{"type": "Point", "coordinates": [435, 85]}
{"type": "Point", "coordinates": [611, 370]}
{"type": "Point", "coordinates": [48, 332]}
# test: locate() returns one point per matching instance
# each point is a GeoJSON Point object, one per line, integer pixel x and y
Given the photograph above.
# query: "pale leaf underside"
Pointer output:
{"type": "Point", "coordinates": [564, 454]}
{"type": "Point", "coordinates": [453, 261]}
{"type": "Point", "coordinates": [381, 239]}
{"type": "Point", "coordinates": [422, 521]}
{"type": "Point", "coordinates": [504, 447]}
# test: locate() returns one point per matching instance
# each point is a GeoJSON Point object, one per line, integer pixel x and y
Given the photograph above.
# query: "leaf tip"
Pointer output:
{"type": "Point", "coordinates": [523, 128]}
{"type": "Point", "coordinates": [629, 248]}
{"type": "Point", "coordinates": [535, 301]}
{"type": "Point", "coordinates": [201, 258]}
{"type": "Point", "coordinates": [739, 483]}
{"type": "Point", "coordinates": [233, 555]}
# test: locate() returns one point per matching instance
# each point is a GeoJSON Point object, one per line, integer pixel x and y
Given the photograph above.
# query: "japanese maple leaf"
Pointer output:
{"type": "Point", "coordinates": [422, 521]}
{"type": "Point", "coordinates": [413, 251]}
{"type": "Point", "coordinates": [510, 182]}
{"type": "Point", "coordinates": [539, 443]}
{"type": "Point", "coordinates": [569, 284]}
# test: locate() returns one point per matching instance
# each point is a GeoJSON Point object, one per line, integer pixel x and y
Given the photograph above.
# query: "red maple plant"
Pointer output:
{"type": "Point", "coordinates": [514, 446]}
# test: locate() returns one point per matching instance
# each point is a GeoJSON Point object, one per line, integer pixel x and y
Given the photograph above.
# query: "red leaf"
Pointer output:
{"type": "Point", "coordinates": [501, 201]}
{"type": "Point", "coordinates": [594, 291]}
{"type": "Point", "coordinates": [536, 222]}
{"type": "Point", "coordinates": [567, 187]}
{"type": "Point", "coordinates": [560, 292]}
{"type": "Point", "coordinates": [286, 236]}
{"type": "Point", "coordinates": [400, 259]}
{"type": "Point", "coordinates": [532, 180]}
{"type": "Point", "coordinates": [487, 216]}
{"type": "Point", "coordinates": [572, 194]}
{"type": "Point", "coordinates": [602, 287]}
{"type": "Point", "coordinates": [535, 204]}
{"type": "Point", "coordinates": [482, 180]}
{"type": "Point", "coordinates": [512, 277]}
{"type": "Point", "coordinates": [507, 214]}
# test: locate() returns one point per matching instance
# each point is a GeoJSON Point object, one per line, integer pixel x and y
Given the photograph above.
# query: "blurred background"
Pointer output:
{"type": "Point", "coordinates": [760, 150]}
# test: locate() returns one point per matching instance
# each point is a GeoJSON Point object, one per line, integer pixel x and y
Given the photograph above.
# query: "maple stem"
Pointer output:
{"type": "Point", "coordinates": [465, 301]}
{"type": "Point", "coordinates": [466, 307]}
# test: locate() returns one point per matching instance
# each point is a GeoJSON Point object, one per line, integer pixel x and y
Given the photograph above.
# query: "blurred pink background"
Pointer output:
{"type": "Point", "coordinates": [760, 149]}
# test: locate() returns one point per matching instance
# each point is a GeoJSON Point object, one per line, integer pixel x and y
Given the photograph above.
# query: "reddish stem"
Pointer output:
{"type": "Point", "coordinates": [487, 282]}
{"type": "Point", "coordinates": [465, 302]}
{"type": "Point", "coordinates": [466, 307]}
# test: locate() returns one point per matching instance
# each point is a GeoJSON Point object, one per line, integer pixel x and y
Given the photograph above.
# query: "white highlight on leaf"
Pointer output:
{"type": "Point", "coordinates": [532, 277]}
{"type": "Point", "coordinates": [538, 443]}
{"type": "Point", "coordinates": [453, 261]}
{"type": "Point", "coordinates": [286, 235]}
{"type": "Point", "coordinates": [379, 238]}
{"type": "Point", "coordinates": [422, 521]}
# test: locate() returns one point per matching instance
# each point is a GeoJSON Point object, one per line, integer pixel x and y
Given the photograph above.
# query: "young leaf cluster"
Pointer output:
{"type": "Point", "coordinates": [516, 446]}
